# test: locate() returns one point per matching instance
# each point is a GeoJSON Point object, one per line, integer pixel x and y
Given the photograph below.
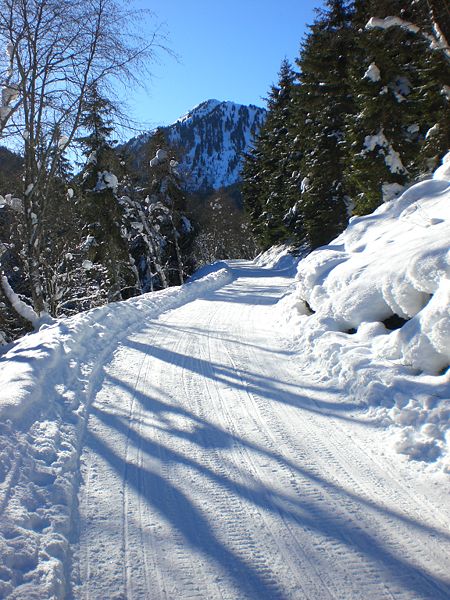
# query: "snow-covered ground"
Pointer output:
{"type": "Point", "coordinates": [392, 263]}
{"type": "Point", "coordinates": [47, 382]}
{"type": "Point", "coordinates": [211, 441]}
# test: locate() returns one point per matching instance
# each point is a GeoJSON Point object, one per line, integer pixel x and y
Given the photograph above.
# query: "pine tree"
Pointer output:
{"type": "Point", "coordinates": [397, 100]}
{"type": "Point", "coordinates": [252, 192]}
{"type": "Point", "coordinates": [105, 232]}
{"type": "Point", "coordinates": [166, 207]}
{"type": "Point", "coordinates": [375, 134]}
{"type": "Point", "coordinates": [267, 168]}
{"type": "Point", "coordinates": [323, 102]}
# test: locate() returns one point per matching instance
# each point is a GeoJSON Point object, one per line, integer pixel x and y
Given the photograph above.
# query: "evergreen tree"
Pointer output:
{"type": "Point", "coordinates": [267, 168]}
{"type": "Point", "coordinates": [323, 103]}
{"type": "Point", "coordinates": [166, 207]}
{"type": "Point", "coordinates": [105, 230]}
{"type": "Point", "coordinates": [252, 192]}
{"type": "Point", "coordinates": [397, 101]}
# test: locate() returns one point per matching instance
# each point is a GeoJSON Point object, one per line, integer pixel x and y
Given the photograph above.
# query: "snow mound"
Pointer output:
{"type": "Point", "coordinates": [282, 258]}
{"type": "Point", "coordinates": [46, 382]}
{"type": "Point", "coordinates": [208, 270]}
{"type": "Point", "coordinates": [443, 172]}
{"type": "Point", "coordinates": [373, 310]}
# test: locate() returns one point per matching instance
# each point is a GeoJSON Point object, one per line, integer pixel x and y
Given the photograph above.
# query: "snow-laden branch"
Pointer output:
{"type": "Point", "coordinates": [24, 310]}
{"type": "Point", "coordinates": [437, 40]}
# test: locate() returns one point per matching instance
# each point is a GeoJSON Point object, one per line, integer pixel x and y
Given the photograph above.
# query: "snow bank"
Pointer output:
{"type": "Point", "coordinates": [207, 270]}
{"type": "Point", "coordinates": [372, 310]}
{"type": "Point", "coordinates": [46, 381]}
{"type": "Point", "coordinates": [282, 257]}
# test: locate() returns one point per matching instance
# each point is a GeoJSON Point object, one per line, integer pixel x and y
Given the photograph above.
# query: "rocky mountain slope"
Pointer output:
{"type": "Point", "coordinates": [211, 138]}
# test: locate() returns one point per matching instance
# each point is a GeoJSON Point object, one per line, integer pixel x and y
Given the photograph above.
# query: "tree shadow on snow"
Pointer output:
{"type": "Point", "coordinates": [306, 511]}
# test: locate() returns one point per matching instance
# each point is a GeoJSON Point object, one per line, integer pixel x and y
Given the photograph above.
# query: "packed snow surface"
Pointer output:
{"type": "Point", "coordinates": [183, 445]}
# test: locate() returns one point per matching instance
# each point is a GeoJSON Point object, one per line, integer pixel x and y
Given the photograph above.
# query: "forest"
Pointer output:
{"type": "Point", "coordinates": [364, 113]}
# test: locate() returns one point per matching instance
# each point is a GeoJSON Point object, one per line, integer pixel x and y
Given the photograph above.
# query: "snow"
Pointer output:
{"type": "Point", "coordinates": [200, 110]}
{"type": "Point", "coordinates": [432, 131]}
{"type": "Point", "coordinates": [373, 73]}
{"type": "Point", "coordinates": [46, 381]}
{"type": "Point", "coordinates": [106, 180]}
{"type": "Point", "coordinates": [159, 158]}
{"type": "Point", "coordinates": [391, 22]}
{"type": "Point", "coordinates": [88, 242]}
{"type": "Point", "coordinates": [230, 475]}
{"type": "Point", "coordinates": [395, 261]}
{"type": "Point", "coordinates": [161, 154]}
{"type": "Point", "coordinates": [391, 157]}
{"type": "Point", "coordinates": [256, 433]}
{"type": "Point", "coordinates": [391, 191]}
{"type": "Point", "coordinates": [24, 310]}
{"type": "Point", "coordinates": [87, 265]}
{"type": "Point", "coordinates": [62, 142]}
{"type": "Point", "coordinates": [436, 41]}
{"type": "Point", "coordinates": [280, 258]}
{"type": "Point", "coordinates": [443, 172]}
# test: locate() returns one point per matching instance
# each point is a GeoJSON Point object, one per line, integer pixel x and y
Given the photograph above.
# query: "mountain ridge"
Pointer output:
{"type": "Point", "coordinates": [212, 137]}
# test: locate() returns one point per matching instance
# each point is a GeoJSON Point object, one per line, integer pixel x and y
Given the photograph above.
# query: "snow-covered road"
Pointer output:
{"type": "Point", "coordinates": [212, 468]}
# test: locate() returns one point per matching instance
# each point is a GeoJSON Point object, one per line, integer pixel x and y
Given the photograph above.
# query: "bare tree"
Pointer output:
{"type": "Point", "coordinates": [56, 50]}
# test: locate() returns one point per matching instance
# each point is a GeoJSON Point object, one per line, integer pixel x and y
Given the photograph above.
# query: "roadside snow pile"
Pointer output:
{"type": "Point", "coordinates": [46, 382]}
{"type": "Point", "coordinates": [373, 310]}
{"type": "Point", "coordinates": [281, 258]}
{"type": "Point", "coordinates": [207, 270]}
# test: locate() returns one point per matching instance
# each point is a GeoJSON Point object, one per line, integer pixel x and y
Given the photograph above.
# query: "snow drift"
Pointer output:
{"type": "Point", "coordinates": [371, 309]}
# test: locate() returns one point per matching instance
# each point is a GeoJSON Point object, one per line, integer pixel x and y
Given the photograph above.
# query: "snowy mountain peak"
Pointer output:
{"type": "Point", "coordinates": [200, 110]}
{"type": "Point", "coordinates": [212, 138]}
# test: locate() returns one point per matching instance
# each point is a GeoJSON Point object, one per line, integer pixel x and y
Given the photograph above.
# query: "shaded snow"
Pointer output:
{"type": "Point", "coordinates": [106, 180]}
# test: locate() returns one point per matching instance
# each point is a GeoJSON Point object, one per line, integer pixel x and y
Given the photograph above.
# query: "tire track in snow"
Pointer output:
{"type": "Point", "coordinates": [227, 506]}
{"type": "Point", "coordinates": [214, 549]}
{"type": "Point", "coordinates": [353, 566]}
{"type": "Point", "coordinates": [328, 465]}
{"type": "Point", "coordinates": [235, 491]}
{"type": "Point", "coordinates": [184, 561]}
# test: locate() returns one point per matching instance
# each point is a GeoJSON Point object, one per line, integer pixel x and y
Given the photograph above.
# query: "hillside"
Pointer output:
{"type": "Point", "coordinates": [211, 140]}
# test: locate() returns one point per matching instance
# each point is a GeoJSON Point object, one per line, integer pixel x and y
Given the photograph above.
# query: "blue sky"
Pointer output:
{"type": "Point", "coordinates": [228, 50]}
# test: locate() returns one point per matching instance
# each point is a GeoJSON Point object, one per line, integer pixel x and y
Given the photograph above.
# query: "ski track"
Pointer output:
{"type": "Point", "coordinates": [214, 469]}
